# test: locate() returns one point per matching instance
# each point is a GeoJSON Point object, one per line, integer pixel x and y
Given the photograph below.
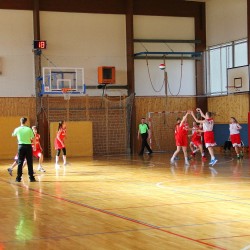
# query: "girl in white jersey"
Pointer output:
{"type": "Point", "coordinates": [234, 128]}
{"type": "Point", "coordinates": [208, 125]}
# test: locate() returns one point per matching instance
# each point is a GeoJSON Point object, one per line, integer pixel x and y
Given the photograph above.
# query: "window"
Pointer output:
{"type": "Point", "coordinates": [240, 53]}
{"type": "Point", "coordinates": [219, 59]}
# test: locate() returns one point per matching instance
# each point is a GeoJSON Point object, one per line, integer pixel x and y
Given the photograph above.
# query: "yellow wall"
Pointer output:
{"type": "Point", "coordinates": [79, 138]}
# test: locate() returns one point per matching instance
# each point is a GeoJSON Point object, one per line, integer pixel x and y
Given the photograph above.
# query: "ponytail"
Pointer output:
{"type": "Point", "coordinates": [60, 125]}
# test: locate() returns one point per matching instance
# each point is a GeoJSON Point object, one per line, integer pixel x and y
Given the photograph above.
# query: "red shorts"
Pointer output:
{"type": "Point", "coordinates": [209, 139]}
{"type": "Point", "coordinates": [197, 142]}
{"type": "Point", "coordinates": [236, 140]}
{"type": "Point", "coordinates": [181, 141]}
{"type": "Point", "coordinates": [37, 153]}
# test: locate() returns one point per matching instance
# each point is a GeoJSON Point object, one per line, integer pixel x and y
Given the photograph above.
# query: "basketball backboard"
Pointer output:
{"type": "Point", "coordinates": [55, 79]}
{"type": "Point", "coordinates": [238, 79]}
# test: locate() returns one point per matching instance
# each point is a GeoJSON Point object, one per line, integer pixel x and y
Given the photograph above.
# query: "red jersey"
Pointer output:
{"type": "Point", "coordinates": [183, 129]}
{"type": "Point", "coordinates": [61, 134]}
{"type": "Point", "coordinates": [37, 140]}
{"type": "Point", "coordinates": [177, 125]}
{"type": "Point", "coordinates": [181, 135]}
{"type": "Point", "coordinates": [196, 137]}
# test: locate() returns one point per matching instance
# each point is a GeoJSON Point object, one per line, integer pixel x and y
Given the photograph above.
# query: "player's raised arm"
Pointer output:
{"type": "Point", "coordinates": [184, 118]}
{"type": "Point", "coordinates": [198, 121]}
{"type": "Point", "coordinates": [200, 111]}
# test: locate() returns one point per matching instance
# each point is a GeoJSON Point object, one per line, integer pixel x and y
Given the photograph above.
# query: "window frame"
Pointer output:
{"type": "Point", "coordinates": [229, 56]}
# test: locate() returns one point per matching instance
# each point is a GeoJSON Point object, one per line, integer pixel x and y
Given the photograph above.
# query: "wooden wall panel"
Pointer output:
{"type": "Point", "coordinates": [86, 6]}
{"type": "Point", "coordinates": [157, 104]}
{"type": "Point", "coordinates": [141, 7]}
{"type": "Point", "coordinates": [227, 106]}
{"type": "Point", "coordinates": [16, 4]}
{"type": "Point", "coordinates": [166, 8]}
{"type": "Point", "coordinates": [19, 106]}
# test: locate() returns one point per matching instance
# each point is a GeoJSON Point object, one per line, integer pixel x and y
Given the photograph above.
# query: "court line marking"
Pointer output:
{"type": "Point", "coordinates": [174, 204]}
{"type": "Point", "coordinates": [206, 194]}
{"type": "Point", "coordinates": [161, 184]}
{"type": "Point", "coordinates": [193, 187]}
{"type": "Point", "coordinates": [116, 215]}
{"type": "Point", "coordinates": [226, 237]}
{"type": "Point", "coordinates": [246, 248]}
{"type": "Point", "coordinates": [79, 235]}
{"type": "Point", "coordinates": [164, 163]}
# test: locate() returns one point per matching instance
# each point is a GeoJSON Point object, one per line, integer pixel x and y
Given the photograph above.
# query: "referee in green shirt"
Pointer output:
{"type": "Point", "coordinates": [145, 133]}
{"type": "Point", "coordinates": [24, 136]}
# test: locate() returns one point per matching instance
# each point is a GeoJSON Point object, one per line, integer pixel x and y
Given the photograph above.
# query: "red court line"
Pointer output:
{"type": "Point", "coordinates": [119, 216]}
{"type": "Point", "coordinates": [128, 219]}
{"type": "Point", "coordinates": [226, 237]}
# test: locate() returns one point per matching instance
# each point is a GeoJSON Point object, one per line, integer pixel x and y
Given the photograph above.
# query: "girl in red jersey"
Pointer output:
{"type": "Point", "coordinates": [15, 163]}
{"type": "Point", "coordinates": [196, 141]}
{"type": "Point", "coordinates": [177, 125]}
{"type": "Point", "coordinates": [59, 143]}
{"type": "Point", "coordinates": [234, 128]}
{"type": "Point", "coordinates": [37, 149]}
{"type": "Point", "coordinates": [181, 139]}
{"type": "Point", "coordinates": [193, 148]}
{"type": "Point", "coordinates": [208, 124]}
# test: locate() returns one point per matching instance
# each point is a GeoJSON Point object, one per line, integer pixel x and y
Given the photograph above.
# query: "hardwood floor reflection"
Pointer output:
{"type": "Point", "coordinates": [128, 202]}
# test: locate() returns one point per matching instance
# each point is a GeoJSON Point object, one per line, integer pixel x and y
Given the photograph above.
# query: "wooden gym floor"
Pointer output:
{"type": "Point", "coordinates": [128, 202]}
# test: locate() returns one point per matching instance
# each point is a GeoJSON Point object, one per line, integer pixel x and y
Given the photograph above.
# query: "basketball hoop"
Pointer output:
{"type": "Point", "coordinates": [66, 93]}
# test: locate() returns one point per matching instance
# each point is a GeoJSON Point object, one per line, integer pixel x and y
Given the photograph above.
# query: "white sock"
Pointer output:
{"type": "Point", "coordinates": [64, 159]}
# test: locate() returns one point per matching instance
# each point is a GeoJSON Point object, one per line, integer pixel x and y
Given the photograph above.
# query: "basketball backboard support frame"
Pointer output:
{"type": "Point", "coordinates": [54, 79]}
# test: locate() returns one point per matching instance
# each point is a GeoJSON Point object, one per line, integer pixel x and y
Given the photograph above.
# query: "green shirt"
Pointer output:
{"type": "Point", "coordinates": [143, 128]}
{"type": "Point", "coordinates": [24, 134]}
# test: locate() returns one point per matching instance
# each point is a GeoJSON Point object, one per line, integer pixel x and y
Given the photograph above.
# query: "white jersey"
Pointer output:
{"type": "Point", "coordinates": [234, 128]}
{"type": "Point", "coordinates": [194, 128]}
{"type": "Point", "coordinates": [208, 125]}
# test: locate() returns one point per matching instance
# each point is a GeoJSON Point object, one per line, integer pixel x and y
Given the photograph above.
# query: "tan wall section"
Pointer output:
{"type": "Point", "coordinates": [226, 106]}
{"type": "Point", "coordinates": [19, 106]}
{"type": "Point", "coordinates": [8, 145]}
{"type": "Point", "coordinates": [79, 138]}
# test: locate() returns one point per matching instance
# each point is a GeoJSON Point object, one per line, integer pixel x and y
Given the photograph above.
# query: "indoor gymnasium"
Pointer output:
{"type": "Point", "coordinates": [124, 124]}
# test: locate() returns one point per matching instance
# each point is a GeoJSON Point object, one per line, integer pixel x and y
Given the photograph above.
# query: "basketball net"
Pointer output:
{"type": "Point", "coordinates": [66, 93]}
